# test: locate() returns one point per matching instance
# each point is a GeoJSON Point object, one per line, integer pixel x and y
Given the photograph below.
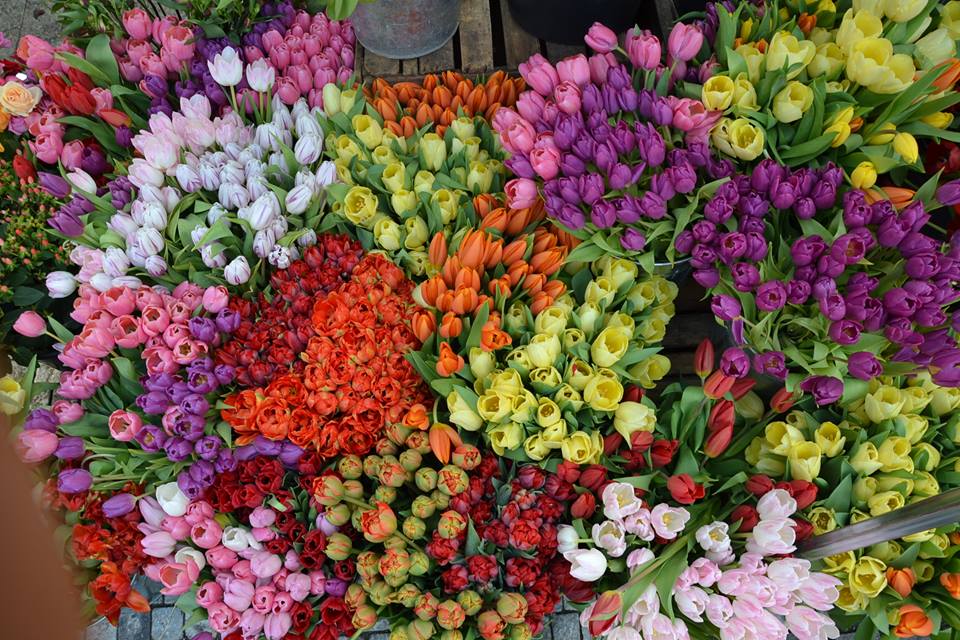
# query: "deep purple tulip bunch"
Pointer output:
{"type": "Point", "coordinates": [843, 291]}
{"type": "Point", "coordinates": [621, 168]}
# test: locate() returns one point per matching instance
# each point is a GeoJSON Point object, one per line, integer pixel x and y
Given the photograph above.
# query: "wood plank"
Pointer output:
{"type": "Point", "coordinates": [519, 44]}
{"type": "Point", "coordinates": [687, 330]}
{"type": "Point", "coordinates": [691, 297]}
{"type": "Point", "coordinates": [376, 66]}
{"type": "Point", "coordinates": [557, 52]}
{"type": "Point", "coordinates": [439, 60]}
{"type": "Point", "coordinates": [476, 36]}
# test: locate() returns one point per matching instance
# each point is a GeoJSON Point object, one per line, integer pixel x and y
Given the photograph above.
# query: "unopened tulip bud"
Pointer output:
{"type": "Point", "coordinates": [703, 359]}
{"type": "Point", "coordinates": [350, 467]}
{"type": "Point", "coordinates": [423, 506]}
{"type": "Point", "coordinates": [411, 460]}
{"type": "Point", "coordinates": [452, 480]}
{"type": "Point", "coordinates": [338, 547]}
{"type": "Point", "coordinates": [782, 401]}
{"type": "Point", "coordinates": [718, 385]}
{"type": "Point", "coordinates": [471, 601]}
{"type": "Point", "coordinates": [368, 565]}
{"type": "Point", "coordinates": [450, 614]}
{"type": "Point", "coordinates": [353, 489]}
{"type": "Point", "coordinates": [426, 479]}
{"type": "Point", "coordinates": [451, 634]}
{"type": "Point", "coordinates": [385, 493]}
{"type": "Point", "coordinates": [451, 524]}
{"type": "Point", "coordinates": [371, 466]}
{"type": "Point", "coordinates": [328, 490]}
{"type": "Point", "coordinates": [419, 563]}
{"type": "Point", "coordinates": [420, 441]}
{"type": "Point", "coordinates": [338, 515]}
{"type": "Point", "coordinates": [355, 596]}
{"type": "Point", "coordinates": [750, 406]}
{"type": "Point", "coordinates": [466, 456]}
{"type": "Point", "coordinates": [414, 528]}
{"type": "Point", "coordinates": [426, 606]}
{"type": "Point", "coordinates": [441, 499]}
{"type": "Point", "coordinates": [384, 448]}
{"type": "Point", "coordinates": [512, 607]}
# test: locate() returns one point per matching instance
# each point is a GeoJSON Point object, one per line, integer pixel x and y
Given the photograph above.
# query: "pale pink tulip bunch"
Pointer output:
{"type": "Point", "coordinates": [130, 318]}
{"type": "Point", "coordinates": [760, 592]}
{"type": "Point", "coordinates": [314, 51]}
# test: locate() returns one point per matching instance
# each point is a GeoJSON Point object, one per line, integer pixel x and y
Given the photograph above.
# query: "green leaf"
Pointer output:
{"type": "Point", "coordinates": [476, 327]}
{"type": "Point", "coordinates": [907, 558]}
{"type": "Point", "coordinates": [839, 499]}
{"type": "Point", "coordinates": [100, 55]}
{"type": "Point", "coordinates": [61, 331]}
{"type": "Point", "coordinates": [666, 579]}
{"type": "Point", "coordinates": [80, 64]}
{"type": "Point", "coordinates": [27, 296]}
{"type": "Point", "coordinates": [473, 539]}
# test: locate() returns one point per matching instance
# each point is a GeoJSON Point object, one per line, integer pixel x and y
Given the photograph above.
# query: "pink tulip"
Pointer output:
{"type": "Point", "coordinates": [198, 512]}
{"type": "Point", "coordinates": [67, 412]}
{"type": "Point", "coordinates": [137, 23]}
{"type": "Point", "coordinates": [691, 116]}
{"type": "Point", "coordinates": [546, 162]}
{"type": "Point", "coordinates": [222, 618]}
{"type": "Point", "coordinates": [302, 76]}
{"type": "Point", "coordinates": [684, 42]}
{"type": "Point", "coordinates": [36, 53]}
{"type": "Point", "coordinates": [251, 623]}
{"type": "Point", "coordinates": [30, 324]}
{"type": "Point", "coordinates": [600, 38]}
{"type": "Point", "coordinates": [176, 526]}
{"type": "Point", "coordinates": [575, 69]}
{"type": "Point", "coordinates": [241, 570]}
{"type": "Point", "coordinates": [298, 586]}
{"type": "Point", "coordinates": [208, 594]}
{"type": "Point", "coordinates": [503, 119]}
{"type": "Point", "coordinates": [206, 534]}
{"type": "Point", "coordinates": [179, 41]}
{"type": "Point", "coordinates": [151, 65]}
{"type": "Point", "coordinates": [160, 360]}
{"type": "Point", "coordinates": [262, 601]}
{"type": "Point", "coordinates": [124, 425]}
{"type": "Point", "coordinates": [276, 625]}
{"type": "Point", "coordinates": [519, 138]}
{"type": "Point", "coordinates": [262, 517]}
{"type": "Point", "coordinates": [291, 561]}
{"type": "Point", "coordinates": [567, 97]}
{"type": "Point", "coordinates": [539, 74]}
{"type": "Point", "coordinates": [317, 583]}
{"type": "Point", "coordinates": [47, 147]}
{"type": "Point", "coordinates": [158, 545]}
{"type": "Point", "coordinates": [265, 564]}
{"type": "Point", "coordinates": [129, 69]}
{"type": "Point", "coordinates": [521, 193]}
{"type": "Point", "coordinates": [287, 89]}
{"type": "Point", "coordinates": [126, 331]}
{"type": "Point", "coordinates": [263, 534]}
{"type": "Point", "coordinates": [221, 558]}
{"type": "Point", "coordinates": [36, 445]}
{"type": "Point", "coordinates": [312, 44]}
{"type": "Point", "coordinates": [280, 56]}
{"type": "Point", "coordinates": [238, 594]}
{"type": "Point", "coordinates": [147, 297]}
{"type": "Point", "coordinates": [643, 49]}
{"type": "Point", "coordinates": [530, 105]}
{"type": "Point", "coordinates": [271, 39]}
{"type": "Point", "coordinates": [282, 602]}
{"type": "Point", "coordinates": [160, 27]}
{"type": "Point", "coordinates": [154, 320]}
{"type": "Point", "coordinates": [137, 49]}
{"type": "Point", "coordinates": [302, 19]}
{"type": "Point", "coordinates": [178, 577]}
{"type": "Point", "coordinates": [102, 97]}
{"type": "Point", "coordinates": [119, 300]}
{"type": "Point", "coordinates": [97, 373]}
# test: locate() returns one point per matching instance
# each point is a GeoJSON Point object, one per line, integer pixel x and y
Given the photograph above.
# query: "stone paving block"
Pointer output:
{"type": "Point", "coordinates": [101, 630]}
{"type": "Point", "coordinates": [38, 20]}
{"type": "Point", "coordinates": [13, 10]}
{"type": "Point", "coordinates": [133, 626]}
{"type": "Point", "coordinates": [167, 624]}
{"type": "Point", "coordinates": [566, 626]}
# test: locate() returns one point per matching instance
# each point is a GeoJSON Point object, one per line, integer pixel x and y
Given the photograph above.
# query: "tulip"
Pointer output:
{"type": "Point", "coordinates": [913, 622]}
{"type": "Point", "coordinates": [226, 67]}
{"type": "Point", "coordinates": [588, 565]}
{"type": "Point", "coordinates": [684, 42]}
{"type": "Point", "coordinates": [171, 499]}
{"type": "Point", "coordinates": [643, 49]}
{"type": "Point", "coordinates": [30, 324]}
{"type": "Point", "coordinates": [601, 39]}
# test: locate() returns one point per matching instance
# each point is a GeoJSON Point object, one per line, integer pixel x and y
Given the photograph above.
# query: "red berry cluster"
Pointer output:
{"type": "Point", "coordinates": [275, 331]}
{"type": "Point", "coordinates": [518, 545]}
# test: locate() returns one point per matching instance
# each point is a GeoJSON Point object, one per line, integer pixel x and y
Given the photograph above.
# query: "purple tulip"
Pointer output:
{"type": "Point", "coordinates": [914, 243]}
{"type": "Point", "coordinates": [566, 131]}
{"type": "Point", "coordinates": [705, 232]}
{"type": "Point", "coordinates": [746, 277]}
{"type": "Point", "coordinates": [845, 332]}
{"type": "Point", "coordinates": [605, 157]}
{"type": "Point", "coordinates": [591, 188]}
{"type": "Point", "coordinates": [753, 204]}
{"type": "Point", "coordinates": [67, 223]}
{"type": "Point", "coordinates": [572, 166]}
{"type": "Point", "coordinates": [685, 241]}
{"type": "Point", "coordinates": [856, 212]}
{"type": "Point", "coordinates": [224, 373]}
{"type": "Point", "coordinates": [571, 217]}
{"type": "Point", "coordinates": [864, 365]}
{"type": "Point", "coordinates": [70, 448]}
{"type": "Point", "coordinates": [227, 321]}
{"type": "Point", "coordinates": [848, 249]}
{"type": "Point", "coordinates": [633, 240]}
{"type": "Point", "coordinates": [948, 194]}
{"type": "Point", "coordinates": [771, 296]}
{"type": "Point", "coordinates": [591, 101]}
{"type": "Point", "coordinates": [924, 292]}
{"type": "Point", "coordinates": [119, 505]}
{"type": "Point", "coordinates": [915, 215]}
{"type": "Point", "coordinates": [190, 487]}
{"type": "Point", "coordinates": [771, 363]}
{"type": "Point", "coordinates": [208, 447]}
{"type": "Point", "coordinates": [891, 232]}
{"type": "Point", "coordinates": [725, 307]}
{"type": "Point", "coordinates": [766, 174]}
{"type": "Point", "coordinates": [683, 177]}
{"type": "Point", "coordinates": [652, 206]}
{"type": "Point", "coordinates": [661, 185]}
{"type": "Point", "coordinates": [732, 247]}
{"type": "Point", "coordinates": [179, 391]}
{"type": "Point", "coordinates": [74, 481]}
{"type": "Point", "coordinates": [151, 438]}
{"type": "Point", "coordinates": [900, 303]}
{"type": "Point", "coordinates": [718, 210]}
{"type": "Point", "coordinates": [703, 256]}
{"type": "Point", "coordinates": [930, 316]}
{"type": "Point", "coordinates": [290, 454]}
{"type": "Point", "coordinates": [53, 184]}
{"type": "Point", "coordinates": [623, 138]}
{"type": "Point", "coordinates": [735, 363]}
{"type": "Point", "coordinates": [584, 146]}
{"type": "Point", "coordinates": [923, 265]}
{"type": "Point", "coordinates": [42, 420]}
{"type": "Point", "coordinates": [833, 306]}
{"type": "Point", "coordinates": [226, 461]}
{"type": "Point", "coordinates": [707, 278]}
{"type": "Point", "coordinates": [603, 214]}
{"type": "Point", "coordinates": [520, 166]}
{"type": "Point", "coordinates": [620, 177]}
{"type": "Point", "coordinates": [825, 390]}
{"type": "Point", "coordinates": [783, 195]}
{"type": "Point", "coordinates": [751, 225]}
{"type": "Point", "coordinates": [266, 447]}
{"type": "Point", "coordinates": [628, 209]}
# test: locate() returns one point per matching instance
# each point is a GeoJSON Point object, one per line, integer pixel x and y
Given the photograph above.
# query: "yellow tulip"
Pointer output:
{"type": "Point", "coordinates": [839, 563]}
{"type": "Point", "coordinates": [866, 460]}
{"type": "Point", "coordinates": [568, 398]}
{"type": "Point", "coordinates": [897, 75]}
{"type": "Point", "coordinates": [12, 396]}
{"type": "Point", "coordinates": [648, 372]}
{"type": "Point", "coordinates": [463, 128]}
{"type": "Point", "coordinates": [534, 447]}
{"type": "Point", "coordinates": [480, 177]}
{"type": "Point", "coordinates": [850, 601]}
{"type": "Point", "coordinates": [805, 461]}
{"type": "Point", "coordinates": [631, 417]}
{"type": "Point", "coordinates": [934, 48]}
{"type": "Point", "coordinates": [868, 576]}
{"type": "Point", "coordinates": [943, 400]}
{"type": "Point", "coordinates": [548, 412]}
{"type": "Point", "coordinates": [577, 448]}
{"type": "Point", "coordinates": [572, 337]}
{"type": "Point", "coordinates": [578, 374]}
{"type": "Point", "coordinates": [903, 10]}
{"type": "Point", "coordinates": [915, 399]}
{"type": "Point", "coordinates": [423, 181]}
{"type": "Point", "coordinates": [505, 437]}
{"type": "Point", "coordinates": [887, 551]}
{"type": "Point", "coordinates": [772, 465]}
{"type": "Point", "coordinates": [545, 379]}
{"type": "Point", "coordinates": [360, 205]}
{"type": "Point", "coordinates": [387, 234]}
{"type": "Point", "coordinates": [368, 130]}
{"type": "Point", "coordinates": [903, 486]}
{"type": "Point", "coordinates": [920, 536]}
{"type": "Point", "coordinates": [823, 519]}
{"type": "Point", "coordinates": [746, 139]}
{"type": "Point", "coordinates": [827, 62]}
{"type": "Point", "coordinates": [883, 404]}
{"type": "Point", "coordinates": [872, 6]}
{"type": "Point", "coordinates": [553, 435]}
{"type": "Point", "coordinates": [914, 426]}
{"type": "Point", "coordinates": [447, 201]}
{"type": "Point", "coordinates": [744, 95]}
{"type": "Point", "coordinates": [782, 437]}
{"type": "Point", "coordinates": [924, 484]}
{"type": "Point", "coordinates": [603, 393]}
{"type": "Point", "coordinates": [552, 321]}
{"type": "Point", "coordinates": [868, 60]}
{"type": "Point", "coordinates": [864, 488]}
{"type": "Point", "coordinates": [786, 51]}
{"type": "Point", "coordinates": [857, 26]}
{"type": "Point", "coordinates": [894, 455]}
{"type": "Point", "coordinates": [652, 330]}
{"type": "Point", "coordinates": [885, 502]}
{"type": "Point", "coordinates": [925, 456]}
{"type": "Point", "coordinates": [750, 406]}
{"type": "Point", "coordinates": [600, 291]}
{"type": "Point", "coordinates": [621, 321]}
{"type": "Point", "coordinates": [433, 151]}
{"type": "Point", "coordinates": [543, 349]}
{"type": "Point", "coordinates": [482, 363]}
{"type": "Point", "coordinates": [331, 99]}
{"type": "Point", "coordinates": [940, 119]}
{"type": "Point", "coordinates": [417, 232]}
{"type": "Point", "coordinates": [523, 407]}
{"type": "Point", "coordinates": [792, 102]}
{"type": "Point", "coordinates": [507, 382]}
{"type": "Point", "coordinates": [589, 314]}
{"type": "Point", "coordinates": [346, 149]}
{"type": "Point", "coordinates": [494, 406]}
{"type": "Point", "coordinates": [642, 295]}
{"type": "Point", "coordinates": [461, 414]}
{"type": "Point", "coordinates": [950, 18]}
{"type": "Point", "coordinates": [754, 59]}
{"type": "Point", "coordinates": [717, 93]}
{"type": "Point", "coordinates": [610, 346]}
{"type": "Point", "coordinates": [348, 98]}
{"type": "Point", "coordinates": [830, 439]}
{"type": "Point", "coordinates": [620, 271]}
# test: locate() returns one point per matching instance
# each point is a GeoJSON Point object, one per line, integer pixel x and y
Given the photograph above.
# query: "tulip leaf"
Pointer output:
{"type": "Point", "coordinates": [585, 252]}
{"type": "Point", "coordinates": [61, 331]}
{"type": "Point", "coordinates": [666, 579]}
{"type": "Point", "coordinates": [100, 55]}
{"type": "Point", "coordinates": [476, 328]}
{"type": "Point", "coordinates": [86, 67]}
{"type": "Point", "coordinates": [27, 296]}
{"type": "Point", "coordinates": [473, 539]}
{"type": "Point", "coordinates": [839, 499]}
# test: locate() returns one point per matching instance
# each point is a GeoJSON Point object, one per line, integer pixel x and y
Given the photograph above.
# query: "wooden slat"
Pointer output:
{"type": "Point", "coordinates": [691, 297]}
{"type": "Point", "coordinates": [476, 36]}
{"type": "Point", "coordinates": [439, 60]}
{"type": "Point", "coordinates": [377, 66]}
{"type": "Point", "coordinates": [560, 51]}
{"type": "Point", "coordinates": [519, 44]}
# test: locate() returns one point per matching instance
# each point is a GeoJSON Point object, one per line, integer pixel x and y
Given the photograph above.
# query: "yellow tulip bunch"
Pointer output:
{"type": "Point", "coordinates": [564, 384]}
{"type": "Point", "coordinates": [398, 192]}
{"type": "Point", "coordinates": [789, 84]}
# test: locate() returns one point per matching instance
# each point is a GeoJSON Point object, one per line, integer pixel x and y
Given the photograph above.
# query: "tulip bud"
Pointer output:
{"type": "Point", "coordinates": [353, 489]}
{"type": "Point", "coordinates": [442, 500]}
{"type": "Point", "coordinates": [718, 385]}
{"type": "Point", "coordinates": [703, 359]}
{"type": "Point", "coordinates": [433, 151]}
{"type": "Point", "coordinates": [350, 466]}
{"type": "Point", "coordinates": [414, 528]}
{"type": "Point", "coordinates": [338, 547]}
{"type": "Point", "coordinates": [864, 175]}
{"type": "Point", "coordinates": [466, 456]}
{"type": "Point", "coordinates": [338, 515]}
{"type": "Point", "coordinates": [512, 607]}
{"type": "Point", "coordinates": [451, 524]}
{"type": "Point", "coordinates": [782, 400]}
{"type": "Point", "coordinates": [419, 563]}
{"type": "Point", "coordinates": [327, 490]}
{"type": "Point", "coordinates": [425, 479]}
{"type": "Point", "coordinates": [423, 506]}
{"type": "Point", "coordinates": [471, 601]}
{"type": "Point", "coordinates": [906, 145]}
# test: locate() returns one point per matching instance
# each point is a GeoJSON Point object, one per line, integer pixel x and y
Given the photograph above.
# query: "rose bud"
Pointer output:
{"type": "Point", "coordinates": [423, 506]}
{"type": "Point", "coordinates": [426, 479]}
{"type": "Point", "coordinates": [466, 456]}
{"type": "Point", "coordinates": [451, 524]}
{"type": "Point", "coordinates": [419, 563]}
{"type": "Point", "coordinates": [452, 480]}
{"type": "Point", "coordinates": [411, 459]}
{"type": "Point", "coordinates": [748, 517]}
{"type": "Point", "coordinates": [350, 467]}
{"type": "Point", "coordinates": [327, 490]}
{"type": "Point", "coordinates": [512, 607]}
{"type": "Point", "coordinates": [414, 527]}
{"type": "Point", "coordinates": [338, 547]}
{"type": "Point", "coordinates": [386, 494]}
{"type": "Point", "coordinates": [450, 614]}
{"type": "Point", "coordinates": [337, 515]}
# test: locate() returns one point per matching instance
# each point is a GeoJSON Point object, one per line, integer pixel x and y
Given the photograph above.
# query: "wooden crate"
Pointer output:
{"type": "Point", "coordinates": [488, 39]}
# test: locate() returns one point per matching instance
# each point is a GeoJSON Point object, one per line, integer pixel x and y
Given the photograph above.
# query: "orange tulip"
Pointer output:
{"type": "Point", "coordinates": [450, 325]}
{"type": "Point", "coordinates": [901, 580]}
{"type": "Point", "coordinates": [806, 22]}
{"type": "Point", "coordinates": [517, 271]}
{"type": "Point", "coordinates": [856, 124]}
{"type": "Point", "coordinates": [417, 418]}
{"type": "Point", "coordinates": [409, 126]}
{"type": "Point", "coordinates": [703, 358]}
{"type": "Point", "coordinates": [394, 127]}
{"type": "Point", "coordinates": [955, 537]}
{"type": "Point", "coordinates": [899, 196]}
{"type": "Point", "coordinates": [493, 254]}
{"type": "Point", "coordinates": [554, 288]}
{"type": "Point", "coordinates": [450, 270]}
{"type": "Point", "coordinates": [485, 203]}
{"type": "Point", "coordinates": [496, 219]}
{"type": "Point", "coordinates": [472, 248]}
{"type": "Point", "coordinates": [949, 74]}
{"type": "Point", "coordinates": [424, 114]}
{"type": "Point", "coordinates": [423, 325]}
{"type": "Point", "coordinates": [430, 81]}
{"type": "Point", "coordinates": [717, 385]}
{"type": "Point", "coordinates": [761, 45]}
{"type": "Point", "coordinates": [913, 622]}
{"type": "Point", "coordinates": [483, 300]}
{"type": "Point", "coordinates": [533, 283]}
{"type": "Point", "coordinates": [514, 252]}
{"type": "Point", "coordinates": [492, 338]}
{"type": "Point", "coordinates": [543, 240]}
{"type": "Point", "coordinates": [432, 289]}
{"type": "Point", "coordinates": [467, 277]}
{"type": "Point", "coordinates": [449, 362]}
{"type": "Point", "coordinates": [445, 301]}
{"type": "Point", "coordinates": [540, 301]}
{"type": "Point", "coordinates": [951, 582]}
{"type": "Point", "coordinates": [443, 438]}
{"type": "Point", "coordinates": [464, 301]}
{"type": "Point", "coordinates": [548, 262]}
{"type": "Point", "coordinates": [456, 105]}
{"type": "Point", "coordinates": [438, 249]}
{"type": "Point", "coordinates": [499, 287]}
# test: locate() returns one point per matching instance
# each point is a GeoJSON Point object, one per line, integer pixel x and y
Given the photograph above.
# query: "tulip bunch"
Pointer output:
{"type": "Point", "coordinates": [597, 149]}
{"type": "Point", "coordinates": [839, 292]}
{"type": "Point", "coordinates": [724, 592]}
{"type": "Point", "coordinates": [399, 192]}
{"type": "Point", "coordinates": [808, 84]}
{"type": "Point", "coordinates": [408, 106]}
{"type": "Point", "coordinates": [553, 383]}
{"type": "Point", "coordinates": [354, 381]}
{"type": "Point", "coordinates": [249, 558]}
{"type": "Point", "coordinates": [894, 446]}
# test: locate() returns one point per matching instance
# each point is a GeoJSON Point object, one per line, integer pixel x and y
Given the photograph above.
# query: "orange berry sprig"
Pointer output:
{"type": "Point", "coordinates": [408, 106]}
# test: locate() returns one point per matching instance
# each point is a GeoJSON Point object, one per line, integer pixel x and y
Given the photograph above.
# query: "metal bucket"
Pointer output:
{"type": "Point", "coordinates": [403, 29]}
{"type": "Point", "coordinates": [676, 272]}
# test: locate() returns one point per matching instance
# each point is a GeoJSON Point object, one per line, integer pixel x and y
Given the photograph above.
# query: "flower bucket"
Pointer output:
{"type": "Point", "coordinates": [403, 29]}
{"type": "Point", "coordinates": [676, 272]}
{"type": "Point", "coordinates": [565, 21]}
